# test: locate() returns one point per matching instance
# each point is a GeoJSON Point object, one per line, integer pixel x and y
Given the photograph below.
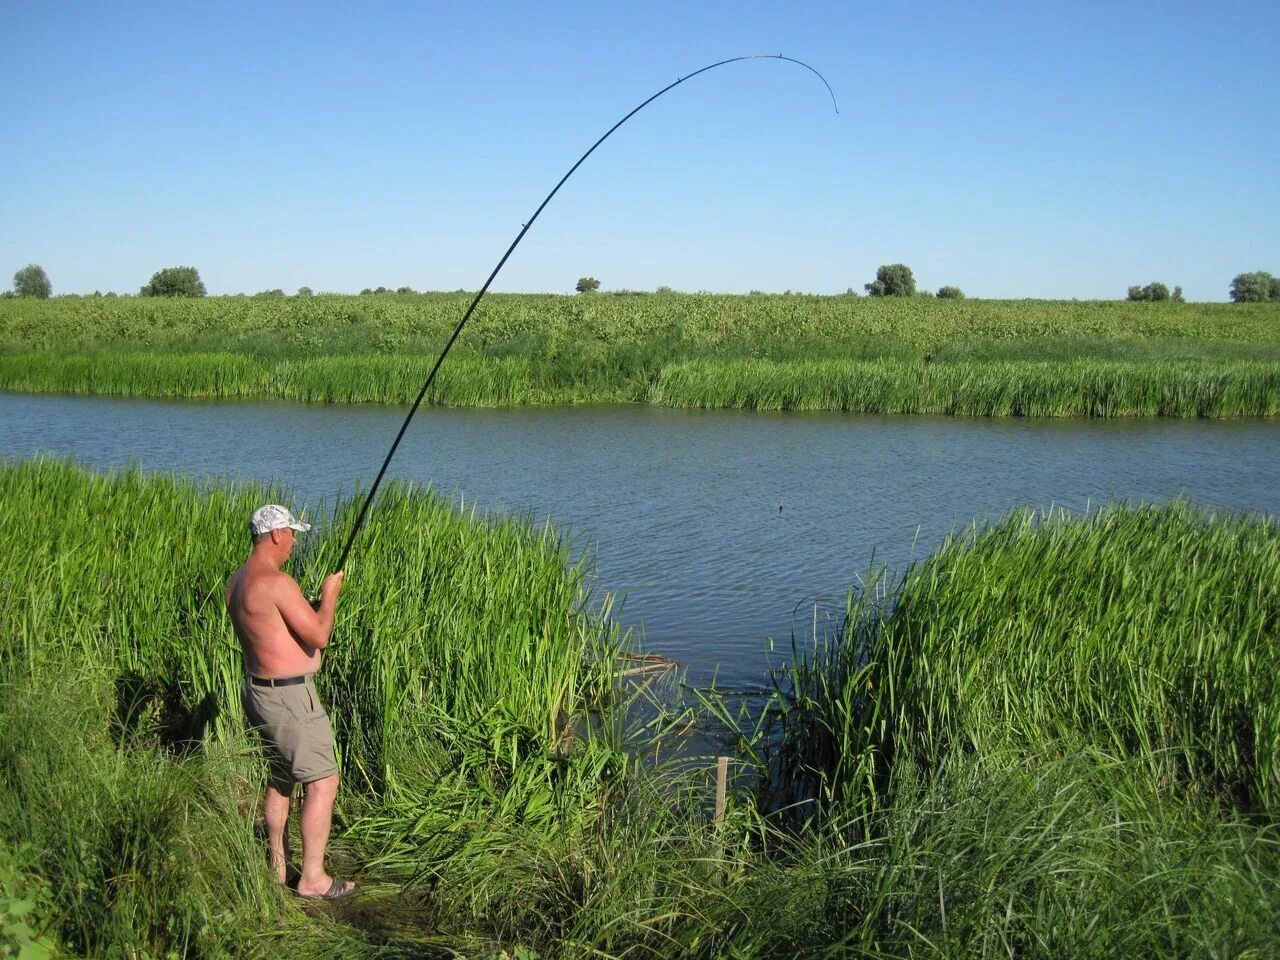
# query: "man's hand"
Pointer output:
{"type": "Point", "coordinates": [332, 586]}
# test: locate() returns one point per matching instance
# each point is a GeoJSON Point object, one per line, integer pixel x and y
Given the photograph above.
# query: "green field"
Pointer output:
{"type": "Point", "coordinates": [1056, 737]}
{"type": "Point", "coordinates": [884, 355]}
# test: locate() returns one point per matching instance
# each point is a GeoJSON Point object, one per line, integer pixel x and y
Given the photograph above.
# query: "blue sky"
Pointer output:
{"type": "Point", "coordinates": [1014, 150]}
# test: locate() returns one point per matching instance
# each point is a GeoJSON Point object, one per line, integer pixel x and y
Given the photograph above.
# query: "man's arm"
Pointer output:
{"type": "Point", "coordinates": [312, 627]}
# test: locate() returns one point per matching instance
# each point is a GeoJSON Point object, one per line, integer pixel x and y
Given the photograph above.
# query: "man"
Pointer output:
{"type": "Point", "coordinates": [281, 637]}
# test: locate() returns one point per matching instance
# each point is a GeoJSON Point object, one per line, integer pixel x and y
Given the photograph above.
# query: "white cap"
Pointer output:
{"type": "Point", "coordinates": [274, 517]}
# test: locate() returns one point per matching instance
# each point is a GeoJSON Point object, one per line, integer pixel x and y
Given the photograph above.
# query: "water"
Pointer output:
{"type": "Point", "coordinates": [682, 508]}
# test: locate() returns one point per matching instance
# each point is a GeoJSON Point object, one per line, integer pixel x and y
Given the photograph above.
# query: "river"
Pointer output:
{"type": "Point", "coordinates": [722, 529]}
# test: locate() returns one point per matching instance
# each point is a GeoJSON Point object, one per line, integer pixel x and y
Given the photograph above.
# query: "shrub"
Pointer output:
{"type": "Point", "coordinates": [950, 293]}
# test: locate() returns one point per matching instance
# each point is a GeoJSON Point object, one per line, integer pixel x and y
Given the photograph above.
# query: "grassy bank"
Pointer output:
{"type": "Point", "coordinates": [1035, 747]}
{"type": "Point", "coordinates": [776, 352]}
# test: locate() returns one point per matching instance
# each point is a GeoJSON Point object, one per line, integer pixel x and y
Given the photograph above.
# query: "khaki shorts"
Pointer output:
{"type": "Point", "coordinates": [295, 732]}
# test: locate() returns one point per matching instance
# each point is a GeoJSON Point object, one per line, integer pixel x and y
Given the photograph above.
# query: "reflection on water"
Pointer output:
{"type": "Point", "coordinates": [722, 528]}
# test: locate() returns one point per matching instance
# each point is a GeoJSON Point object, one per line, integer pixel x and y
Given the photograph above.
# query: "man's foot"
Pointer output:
{"type": "Point", "coordinates": [334, 890]}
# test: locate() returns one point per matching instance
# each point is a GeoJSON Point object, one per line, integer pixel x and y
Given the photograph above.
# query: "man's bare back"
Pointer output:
{"type": "Point", "coordinates": [280, 634]}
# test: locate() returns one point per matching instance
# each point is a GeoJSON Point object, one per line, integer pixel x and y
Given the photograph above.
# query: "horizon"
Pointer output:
{"type": "Point", "coordinates": [276, 293]}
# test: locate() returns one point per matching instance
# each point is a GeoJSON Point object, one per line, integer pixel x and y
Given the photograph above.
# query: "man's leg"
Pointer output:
{"type": "Point", "coordinates": [275, 811]}
{"type": "Point", "coordinates": [317, 817]}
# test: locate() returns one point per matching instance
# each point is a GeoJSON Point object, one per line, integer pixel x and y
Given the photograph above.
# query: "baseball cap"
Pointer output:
{"type": "Point", "coordinates": [274, 517]}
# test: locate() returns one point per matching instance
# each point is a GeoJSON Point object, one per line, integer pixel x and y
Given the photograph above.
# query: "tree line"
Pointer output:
{"type": "Point", "coordinates": [892, 280]}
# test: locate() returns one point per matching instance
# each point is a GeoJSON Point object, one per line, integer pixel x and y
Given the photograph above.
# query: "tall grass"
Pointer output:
{"type": "Point", "coordinates": [282, 328]}
{"type": "Point", "coordinates": [771, 352]}
{"type": "Point", "coordinates": [132, 576]}
{"type": "Point", "coordinates": [1032, 753]}
{"type": "Point", "coordinates": [1079, 388]}
{"type": "Point", "coordinates": [467, 657]}
{"type": "Point", "coordinates": [1147, 634]}
{"type": "Point", "coordinates": [1074, 388]}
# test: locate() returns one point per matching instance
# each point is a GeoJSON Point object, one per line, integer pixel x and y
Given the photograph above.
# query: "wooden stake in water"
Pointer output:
{"type": "Point", "coordinates": [722, 779]}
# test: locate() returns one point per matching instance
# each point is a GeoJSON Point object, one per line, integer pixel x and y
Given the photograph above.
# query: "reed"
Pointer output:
{"type": "Point", "coordinates": [980, 357]}
{"type": "Point", "coordinates": [1030, 751]}
{"type": "Point", "coordinates": [133, 572]}
{"type": "Point", "coordinates": [1072, 388]}
{"type": "Point", "coordinates": [1077, 388]}
{"type": "Point", "coordinates": [1144, 633]}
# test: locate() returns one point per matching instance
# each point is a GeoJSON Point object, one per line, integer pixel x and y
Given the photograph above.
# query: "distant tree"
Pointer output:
{"type": "Point", "coordinates": [950, 293]}
{"type": "Point", "coordinates": [893, 280]}
{"type": "Point", "coordinates": [305, 292]}
{"type": "Point", "coordinates": [365, 292]}
{"type": "Point", "coordinates": [381, 290]}
{"type": "Point", "coordinates": [587, 285]}
{"type": "Point", "coordinates": [665, 290]}
{"type": "Point", "coordinates": [404, 289]}
{"type": "Point", "coordinates": [1152, 291]}
{"type": "Point", "coordinates": [1177, 297]}
{"type": "Point", "coordinates": [1275, 289]}
{"type": "Point", "coordinates": [275, 294]}
{"type": "Point", "coordinates": [32, 281]}
{"type": "Point", "coordinates": [8, 295]}
{"type": "Point", "coordinates": [174, 282]}
{"type": "Point", "coordinates": [1251, 287]}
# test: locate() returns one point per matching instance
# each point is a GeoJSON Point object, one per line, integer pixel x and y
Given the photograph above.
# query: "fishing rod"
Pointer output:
{"type": "Point", "coordinates": [368, 500]}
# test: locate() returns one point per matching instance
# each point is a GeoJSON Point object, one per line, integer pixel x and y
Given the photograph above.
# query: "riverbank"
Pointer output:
{"type": "Point", "coordinates": [1034, 744]}
{"type": "Point", "coordinates": [872, 355]}
{"type": "Point", "coordinates": [1072, 388]}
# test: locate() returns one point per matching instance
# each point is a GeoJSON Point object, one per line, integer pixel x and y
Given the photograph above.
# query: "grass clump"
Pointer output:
{"type": "Point", "coordinates": [1144, 633]}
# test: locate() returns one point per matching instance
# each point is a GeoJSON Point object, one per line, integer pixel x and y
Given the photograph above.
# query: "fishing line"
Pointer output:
{"type": "Point", "coordinates": [368, 500]}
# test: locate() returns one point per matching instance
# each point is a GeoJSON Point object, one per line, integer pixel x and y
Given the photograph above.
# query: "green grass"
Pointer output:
{"type": "Point", "coordinates": [1032, 748]}
{"type": "Point", "coordinates": [1075, 388]}
{"type": "Point", "coordinates": [774, 352]}
{"type": "Point", "coordinates": [1145, 634]}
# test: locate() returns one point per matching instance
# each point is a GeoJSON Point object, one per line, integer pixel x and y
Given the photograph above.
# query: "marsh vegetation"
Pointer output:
{"type": "Point", "coordinates": [1057, 736]}
{"type": "Point", "coordinates": [872, 354]}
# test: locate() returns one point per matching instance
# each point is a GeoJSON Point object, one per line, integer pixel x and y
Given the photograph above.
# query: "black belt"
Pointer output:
{"type": "Point", "coordinates": [281, 682]}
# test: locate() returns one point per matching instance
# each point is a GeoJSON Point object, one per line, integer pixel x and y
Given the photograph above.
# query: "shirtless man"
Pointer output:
{"type": "Point", "coordinates": [281, 637]}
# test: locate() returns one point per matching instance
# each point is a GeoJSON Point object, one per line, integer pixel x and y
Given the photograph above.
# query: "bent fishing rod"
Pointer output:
{"type": "Point", "coordinates": [368, 500]}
